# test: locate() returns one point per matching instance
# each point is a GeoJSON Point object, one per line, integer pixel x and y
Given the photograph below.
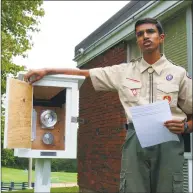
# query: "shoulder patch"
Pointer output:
{"type": "Point", "coordinates": [136, 59]}
{"type": "Point", "coordinates": [132, 60]}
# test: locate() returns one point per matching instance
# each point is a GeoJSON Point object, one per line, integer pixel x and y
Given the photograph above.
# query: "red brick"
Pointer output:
{"type": "Point", "coordinates": [101, 137]}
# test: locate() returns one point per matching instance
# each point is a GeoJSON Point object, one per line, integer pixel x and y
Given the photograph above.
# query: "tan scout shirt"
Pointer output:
{"type": "Point", "coordinates": [139, 83]}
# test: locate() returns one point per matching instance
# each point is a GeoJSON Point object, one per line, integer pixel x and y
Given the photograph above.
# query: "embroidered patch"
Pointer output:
{"type": "Point", "coordinates": [167, 98]}
{"type": "Point", "coordinates": [188, 75]}
{"type": "Point", "coordinates": [134, 91]}
{"type": "Point", "coordinates": [169, 77]}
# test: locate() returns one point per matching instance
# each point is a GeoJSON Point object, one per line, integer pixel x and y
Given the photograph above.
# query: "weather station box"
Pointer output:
{"type": "Point", "coordinates": [41, 120]}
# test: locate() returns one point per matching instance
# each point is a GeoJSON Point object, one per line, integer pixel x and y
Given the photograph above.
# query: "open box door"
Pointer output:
{"type": "Point", "coordinates": [18, 114]}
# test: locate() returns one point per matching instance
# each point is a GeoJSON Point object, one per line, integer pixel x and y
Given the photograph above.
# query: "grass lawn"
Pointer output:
{"type": "Point", "coordinates": [16, 175]}
{"type": "Point", "coordinates": [71, 189]}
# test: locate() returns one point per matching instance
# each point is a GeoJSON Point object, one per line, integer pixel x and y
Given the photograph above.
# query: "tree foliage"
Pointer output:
{"type": "Point", "coordinates": [19, 20]}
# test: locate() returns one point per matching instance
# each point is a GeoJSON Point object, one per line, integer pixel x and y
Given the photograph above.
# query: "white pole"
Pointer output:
{"type": "Point", "coordinates": [30, 173]}
{"type": "Point", "coordinates": [190, 175]}
{"type": "Point", "coordinates": [42, 175]}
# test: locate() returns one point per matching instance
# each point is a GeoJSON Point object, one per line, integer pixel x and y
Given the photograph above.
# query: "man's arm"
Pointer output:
{"type": "Point", "coordinates": [40, 73]}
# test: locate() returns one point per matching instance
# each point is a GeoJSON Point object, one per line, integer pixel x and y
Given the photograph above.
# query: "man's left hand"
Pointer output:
{"type": "Point", "coordinates": [175, 126]}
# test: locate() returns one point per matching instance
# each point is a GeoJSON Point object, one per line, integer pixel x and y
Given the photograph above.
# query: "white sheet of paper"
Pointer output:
{"type": "Point", "coordinates": [149, 121]}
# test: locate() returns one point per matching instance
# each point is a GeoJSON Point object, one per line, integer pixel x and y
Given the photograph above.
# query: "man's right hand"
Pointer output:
{"type": "Point", "coordinates": [35, 75]}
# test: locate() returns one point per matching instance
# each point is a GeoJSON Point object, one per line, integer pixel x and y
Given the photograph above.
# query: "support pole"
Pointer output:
{"type": "Point", "coordinates": [42, 175]}
{"type": "Point", "coordinates": [30, 173]}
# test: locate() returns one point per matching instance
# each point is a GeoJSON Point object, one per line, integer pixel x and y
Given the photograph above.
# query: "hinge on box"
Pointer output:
{"type": "Point", "coordinates": [33, 128]}
{"type": "Point", "coordinates": [77, 120]}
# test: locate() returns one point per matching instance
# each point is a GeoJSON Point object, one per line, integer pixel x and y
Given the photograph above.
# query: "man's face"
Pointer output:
{"type": "Point", "coordinates": [148, 37]}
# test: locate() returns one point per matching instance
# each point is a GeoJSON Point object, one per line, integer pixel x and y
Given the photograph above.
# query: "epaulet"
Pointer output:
{"type": "Point", "coordinates": [136, 59]}
{"type": "Point", "coordinates": [173, 62]}
{"type": "Point", "coordinates": [179, 66]}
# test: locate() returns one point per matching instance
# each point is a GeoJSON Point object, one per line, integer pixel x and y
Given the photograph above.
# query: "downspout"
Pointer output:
{"type": "Point", "coordinates": [189, 59]}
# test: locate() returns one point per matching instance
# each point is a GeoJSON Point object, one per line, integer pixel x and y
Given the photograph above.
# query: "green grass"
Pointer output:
{"type": "Point", "coordinates": [16, 175]}
{"type": "Point", "coordinates": [71, 189]}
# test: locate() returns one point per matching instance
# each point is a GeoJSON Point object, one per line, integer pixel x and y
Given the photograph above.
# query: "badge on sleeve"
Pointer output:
{"type": "Point", "coordinates": [169, 77]}
{"type": "Point", "coordinates": [167, 98]}
{"type": "Point", "coordinates": [134, 91]}
{"type": "Point", "coordinates": [188, 75]}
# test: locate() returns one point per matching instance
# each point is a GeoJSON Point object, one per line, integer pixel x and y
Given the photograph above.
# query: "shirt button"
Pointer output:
{"type": "Point", "coordinates": [150, 70]}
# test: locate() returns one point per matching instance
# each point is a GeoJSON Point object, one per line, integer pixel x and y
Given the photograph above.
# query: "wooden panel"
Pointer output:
{"type": "Point", "coordinates": [46, 92]}
{"type": "Point", "coordinates": [19, 95]}
{"type": "Point", "coordinates": [58, 131]}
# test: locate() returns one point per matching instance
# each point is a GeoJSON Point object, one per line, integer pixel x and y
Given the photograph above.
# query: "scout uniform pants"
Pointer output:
{"type": "Point", "coordinates": [155, 169]}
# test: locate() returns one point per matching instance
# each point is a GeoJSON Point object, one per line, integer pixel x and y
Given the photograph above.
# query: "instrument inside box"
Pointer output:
{"type": "Point", "coordinates": [49, 99]}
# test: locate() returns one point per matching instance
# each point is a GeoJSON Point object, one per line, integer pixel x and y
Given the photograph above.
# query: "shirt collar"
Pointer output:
{"type": "Point", "coordinates": [157, 66]}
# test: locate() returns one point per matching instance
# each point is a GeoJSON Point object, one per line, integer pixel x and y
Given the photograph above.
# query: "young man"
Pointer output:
{"type": "Point", "coordinates": [142, 81]}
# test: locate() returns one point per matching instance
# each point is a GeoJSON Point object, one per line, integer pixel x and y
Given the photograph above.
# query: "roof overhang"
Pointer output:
{"type": "Point", "coordinates": [125, 30]}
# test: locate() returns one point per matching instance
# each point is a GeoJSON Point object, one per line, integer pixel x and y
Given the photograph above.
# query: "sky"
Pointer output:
{"type": "Point", "coordinates": [64, 25]}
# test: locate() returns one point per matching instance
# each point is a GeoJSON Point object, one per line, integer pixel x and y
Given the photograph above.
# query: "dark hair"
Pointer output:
{"type": "Point", "coordinates": [150, 20]}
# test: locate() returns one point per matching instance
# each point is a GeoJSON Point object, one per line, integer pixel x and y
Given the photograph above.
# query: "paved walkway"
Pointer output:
{"type": "Point", "coordinates": [66, 184]}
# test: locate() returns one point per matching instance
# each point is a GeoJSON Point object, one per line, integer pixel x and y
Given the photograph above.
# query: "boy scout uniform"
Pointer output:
{"type": "Point", "coordinates": [157, 168]}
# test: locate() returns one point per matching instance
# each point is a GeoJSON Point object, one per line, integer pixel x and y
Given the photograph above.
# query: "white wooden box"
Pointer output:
{"type": "Point", "coordinates": [24, 105]}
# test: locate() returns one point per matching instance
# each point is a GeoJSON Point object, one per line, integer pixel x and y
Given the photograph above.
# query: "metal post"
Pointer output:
{"type": "Point", "coordinates": [30, 173]}
{"type": "Point", "coordinates": [190, 175]}
{"type": "Point", "coordinates": [42, 175]}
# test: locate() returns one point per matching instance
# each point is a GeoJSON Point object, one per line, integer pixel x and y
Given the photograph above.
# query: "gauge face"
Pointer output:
{"type": "Point", "coordinates": [48, 138]}
{"type": "Point", "coordinates": [48, 118]}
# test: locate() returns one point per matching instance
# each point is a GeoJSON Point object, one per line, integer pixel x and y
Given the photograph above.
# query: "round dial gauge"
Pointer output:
{"type": "Point", "coordinates": [48, 118]}
{"type": "Point", "coordinates": [48, 138]}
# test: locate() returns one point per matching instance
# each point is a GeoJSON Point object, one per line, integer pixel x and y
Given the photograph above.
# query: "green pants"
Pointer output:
{"type": "Point", "coordinates": [155, 169]}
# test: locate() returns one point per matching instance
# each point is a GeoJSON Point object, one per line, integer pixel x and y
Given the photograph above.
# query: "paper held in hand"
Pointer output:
{"type": "Point", "coordinates": [149, 121]}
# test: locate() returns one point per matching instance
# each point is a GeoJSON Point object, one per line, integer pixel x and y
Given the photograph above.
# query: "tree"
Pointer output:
{"type": "Point", "coordinates": [19, 20]}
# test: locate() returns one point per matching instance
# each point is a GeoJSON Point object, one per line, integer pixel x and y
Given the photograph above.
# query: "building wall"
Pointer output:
{"type": "Point", "coordinates": [175, 45]}
{"type": "Point", "coordinates": [134, 49]}
{"type": "Point", "coordinates": [101, 136]}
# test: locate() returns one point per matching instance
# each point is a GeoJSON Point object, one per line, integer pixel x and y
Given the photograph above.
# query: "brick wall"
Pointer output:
{"type": "Point", "coordinates": [101, 137]}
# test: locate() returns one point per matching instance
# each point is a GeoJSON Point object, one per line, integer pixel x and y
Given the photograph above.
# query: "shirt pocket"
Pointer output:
{"type": "Point", "coordinates": [130, 91]}
{"type": "Point", "coordinates": [168, 92]}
